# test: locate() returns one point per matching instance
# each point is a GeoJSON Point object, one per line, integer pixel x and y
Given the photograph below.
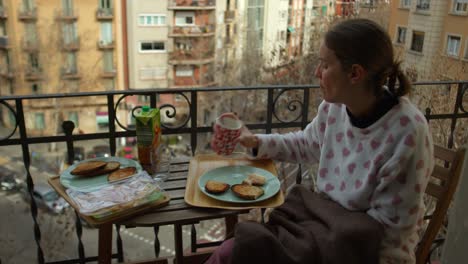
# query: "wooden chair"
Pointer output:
{"type": "Point", "coordinates": [442, 186]}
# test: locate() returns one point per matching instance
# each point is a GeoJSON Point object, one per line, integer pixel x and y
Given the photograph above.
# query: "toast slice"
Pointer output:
{"type": "Point", "coordinates": [121, 174]}
{"type": "Point", "coordinates": [82, 169]}
{"type": "Point", "coordinates": [254, 179]}
{"type": "Point", "coordinates": [247, 192]}
{"type": "Point", "coordinates": [216, 187]}
{"type": "Point", "coordinates": [110, 167]}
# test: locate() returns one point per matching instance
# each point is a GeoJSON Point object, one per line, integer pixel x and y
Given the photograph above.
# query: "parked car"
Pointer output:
{"type": "Point", "coordinates": [99, 151]}
{"type": "Point", "coordinates": [46, 197]}
{"type": "Point", "coordinates": [9, 181]}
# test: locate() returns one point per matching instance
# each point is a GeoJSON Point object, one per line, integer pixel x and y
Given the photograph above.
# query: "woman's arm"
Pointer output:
{"type": "Point", "coordinates": [298, 147]}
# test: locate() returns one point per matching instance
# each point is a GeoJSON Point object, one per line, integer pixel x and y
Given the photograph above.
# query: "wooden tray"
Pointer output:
{"type": "Point", "coordinates": [205, 162]}
{"type": "Point", "coordinates": [58, 187]}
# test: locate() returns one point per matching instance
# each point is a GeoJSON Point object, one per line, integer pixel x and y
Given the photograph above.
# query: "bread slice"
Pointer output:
{"type": "Point", "coordinates": [84, 168]}
{"type": "Point", "coordinates": [255, 179]}
{"type": "Point", "coordinates": [247, 192]}
{"type": "Point", "coordinates": [216, 187]}
{"type": "Point", "coordinates": [110, 167]}
{"type": "Point", "coordinates": [121, 174]}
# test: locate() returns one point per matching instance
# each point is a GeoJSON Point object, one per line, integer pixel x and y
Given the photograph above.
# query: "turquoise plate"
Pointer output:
{"type": "Point", "coordinates": [90, 184]}
{"type": "Point", "coordinates": [235, 175]}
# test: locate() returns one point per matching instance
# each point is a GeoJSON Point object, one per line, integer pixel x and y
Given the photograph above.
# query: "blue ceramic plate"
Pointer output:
{"type": "Point", "coordinates": [89, 184]}
{"type": "Point", "coordinates": [235, 175]}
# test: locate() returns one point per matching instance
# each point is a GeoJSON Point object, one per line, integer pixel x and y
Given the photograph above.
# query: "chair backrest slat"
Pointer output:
{"type": "Point", "coordinates": [435, 190]}
{"type": "Point", "coordinates": [441, 173]}
{"type": "Point", "coordinates": [448, 178]}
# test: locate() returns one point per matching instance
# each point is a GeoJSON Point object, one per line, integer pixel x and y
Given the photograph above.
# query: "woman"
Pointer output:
{"type": "Point", "coordinates": [372, 145]}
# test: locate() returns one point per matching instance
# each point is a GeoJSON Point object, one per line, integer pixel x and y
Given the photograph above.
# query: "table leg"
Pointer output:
{"type": "Point", "coordinates": [105, 244]}
{"type": "Point", "coordinates": [179, 251]}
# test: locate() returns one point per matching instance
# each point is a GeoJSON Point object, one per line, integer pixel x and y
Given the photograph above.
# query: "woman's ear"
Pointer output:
{"type": "Point", "coordinates": [357, 73]}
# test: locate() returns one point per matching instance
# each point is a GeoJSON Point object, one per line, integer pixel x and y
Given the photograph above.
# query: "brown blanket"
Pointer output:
{"type": "Point", "coordinates": [309, 228]}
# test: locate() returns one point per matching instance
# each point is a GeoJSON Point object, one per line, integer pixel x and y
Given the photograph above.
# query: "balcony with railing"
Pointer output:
{"type": "Point", "coordinates": [3, 12]}
{"type": "Point", "coordinates": [69, 73]}
{"type": "Point", "coordinates": [191, 5]}
{"type": "Point", "coordinates": [66, 15]}
{"type": "Point", "coordinates": [192, 30]}
{"type": "Point", "coordinates": [105, 14]}
{"type": "Point", "coordinates": [33, 74]}
{"type": "Point", "coordinates": [71, 44]}
{"type": "Point", "coordinates": [4, 43]}
{"type": "Point", "coordinates": [192, 56]}
{"type": "Point", "coordinates": [31, 44]}
{"type": "Point", "coordinates": [229, 16]}
{"type": "Point", "coordinates": [27, 14]}
{"type": "Point", "coordinates": [106, 44]}
{"type": "Point", "coordinates": [206, 80]}
{"type": "Point", "coordinates": [108, 73]}
{"type": "Point", "coordinates": [7, 72]}
{"type": "Point", "coordinates": [268, 109]}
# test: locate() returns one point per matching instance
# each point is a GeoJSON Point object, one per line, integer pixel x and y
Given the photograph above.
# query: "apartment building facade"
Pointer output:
{"type": "Point", "coordinates": [60, 46]}
{"type": "Point", "coordinates": [431, 37]}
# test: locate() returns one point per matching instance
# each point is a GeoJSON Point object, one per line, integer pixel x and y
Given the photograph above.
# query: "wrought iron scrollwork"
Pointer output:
{"type": "Point", "coordinates": [115, 111]}
{"type": "Point", "coordinates": [170, 111]}
{"type": "Point", "coordinates": [293, 106]}
{"type": "Point", "coordinates": [12, 110]}
{"type": "Point", "coordinates": [462, 95]}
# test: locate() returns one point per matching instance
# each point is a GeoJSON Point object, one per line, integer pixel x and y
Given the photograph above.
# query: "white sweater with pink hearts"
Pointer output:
{"type": "Point", "coordinates": [382, 169]}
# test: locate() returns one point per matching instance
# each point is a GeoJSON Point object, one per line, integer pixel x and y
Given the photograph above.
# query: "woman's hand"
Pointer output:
{"type": "Point", "coordinates": [247, 138]}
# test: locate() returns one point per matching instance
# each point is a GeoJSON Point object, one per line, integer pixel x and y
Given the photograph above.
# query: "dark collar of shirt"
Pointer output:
{"type": "Point", "coordinates": [387, 102]}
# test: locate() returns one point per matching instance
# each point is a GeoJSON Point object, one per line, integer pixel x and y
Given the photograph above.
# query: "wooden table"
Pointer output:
{"type": "Point", "coordinates": [176, 212]}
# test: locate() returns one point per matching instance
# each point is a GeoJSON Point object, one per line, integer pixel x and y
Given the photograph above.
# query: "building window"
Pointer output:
{"type": "Point", "coordinates": [157, 73]}
{"type": "Point", "coordinates": [460, 6]}
{"type": "Point", "coordinates": [151, 20]}
{"type": "Point", "coordinates": [405, 3]}
{"type": "Point", "coordinates": [423, 4]}
{"type": "Point", "coordinates": [109, 84]}
{"type": "Point", "coordinates": [39, 121]}
{"type": "Point", "coordinates": [401, 35]}
{"type": "Point", "coordinates": [73, 116]}
{"type": "Point", "coordinates": [417, 42]}
{"type": "Point", "coordinates": [105, 4]}
{"type": "Point", "coordinates": [185, 18]}
{"type": "Point", "coordinates": [466, 50]}
{"type": "Point", "coordinates": [35, 88]}
{"type": "Point", "coordinates": [453, 45]}
{"type": "Point", "coordinates": [106, 33]}
{"type": "Point", "coordinates": [184, 71]}
{"type": "Point", "coordinates": [108, 59]}
{"type": "Point", "coordinates": [152, 46]}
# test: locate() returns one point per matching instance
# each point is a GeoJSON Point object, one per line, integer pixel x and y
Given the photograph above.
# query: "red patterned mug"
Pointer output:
{"type": "Point", "coordinates": [226, 132]}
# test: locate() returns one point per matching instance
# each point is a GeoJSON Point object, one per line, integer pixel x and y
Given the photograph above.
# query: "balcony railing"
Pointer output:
{"type": "Point", "coordinates": [104, 14]}
{"type": "Point", "coordinates": [105, 44]}
{"type": "Point", "coordinates": [4, 44]}
{"type": "Point", "coordinates": [269, 108]}
{"type": "Point", "coordinates": [108, 73]}
{"type": "Point", "coordinates": [3, 12]}
{"type": "Point", "coordinates": [192, 31]}
{"type": "Point", "coordinates": [33, 74]}
{"type": "Point", "coordinates": [70, 44]}
{"type": "Point", "coordinates": [69, 73]}
{"type": "Point", "coordinates": [194, 56]}
{"type": "Point", "coordinates": [7, 72]}
{"type": "Point", "coordinates": [26, 14]}
{"type": "Point", "coordinates": [191, 4]}
{"type": "Point", "coordinates": [31, 44]}
{"type": "Point", "coordinates": [186, 82]}
{"type": "Point", "coordinates": [229, 16]}
{"type": "Point", "coordinates": [68, 15]}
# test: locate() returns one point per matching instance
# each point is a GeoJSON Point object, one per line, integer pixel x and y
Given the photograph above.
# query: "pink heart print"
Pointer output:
{"type": "Point", "coordinates": [227, 130]}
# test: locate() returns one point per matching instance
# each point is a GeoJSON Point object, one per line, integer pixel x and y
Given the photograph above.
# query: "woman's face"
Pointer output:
{"type": "Point", "coordinates": [334, 80]}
